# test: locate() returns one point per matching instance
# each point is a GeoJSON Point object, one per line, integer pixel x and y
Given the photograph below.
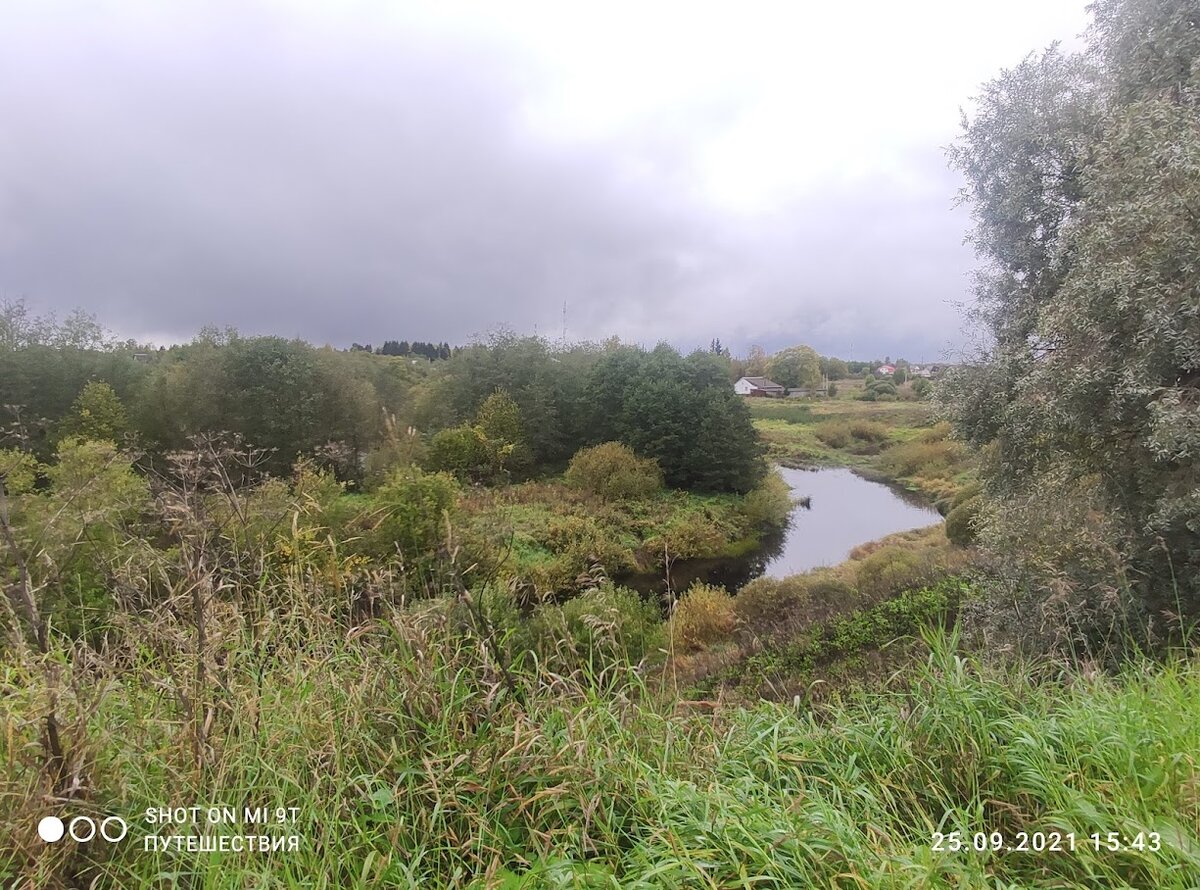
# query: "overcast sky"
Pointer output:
{"type": "Point", "coordinates": [345, 171]}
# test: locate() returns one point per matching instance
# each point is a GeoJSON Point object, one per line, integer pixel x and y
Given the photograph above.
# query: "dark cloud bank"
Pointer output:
{"type": "Point", "coordinates": [181, 171]}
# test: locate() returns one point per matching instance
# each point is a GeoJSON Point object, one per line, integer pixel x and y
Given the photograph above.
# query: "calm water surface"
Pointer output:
{"type": "Point", "coordinates": [844, 511]}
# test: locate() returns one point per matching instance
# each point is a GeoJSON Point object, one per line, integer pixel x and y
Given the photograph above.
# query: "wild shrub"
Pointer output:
{"type": "Point", "coordinates": [964, 494]}
{"type": "Point", "coordinates": [460, 450]}
{"type": "Point", "coordinates": [829, 595]}
{"type": "Point", "coordinates": [693, 535]}
{"type": "Point", "coordinates": [889, 570]}
{"type": "Point", "coordinates": [703, 615]}
{"type": "Point", "coordinates": [867, 430]}
{"type": "Point", "coordinates": [585, 543]}
{"type": "Point", "coordinates": [612, 471]}
{"type": "Point", "coordinates": [960, 521]}
{"type": "Point", "coordinates": [769, 608]}
{"type": "Point", "coordinates": [834, 433]}
{"type": "Point", "coordinates": [1065, 589]}
{"type": "Point", "coordinates": [847, 433]}
{"type": "Point", "coordinates": [770, 504]}
{"type": "Point", "coordinates": [922, 458]}
{"type": "Point", "coordinates": [406, 517]}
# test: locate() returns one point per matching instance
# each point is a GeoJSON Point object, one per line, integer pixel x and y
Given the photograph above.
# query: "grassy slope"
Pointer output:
{"type": "Point", "coordinates": [412, 767]}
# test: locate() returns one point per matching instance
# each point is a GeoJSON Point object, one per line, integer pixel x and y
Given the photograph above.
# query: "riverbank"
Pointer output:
{"type": "Point", "coordinates": [897, 442]}
{"type": "Point", "coordinates": [780, 635]}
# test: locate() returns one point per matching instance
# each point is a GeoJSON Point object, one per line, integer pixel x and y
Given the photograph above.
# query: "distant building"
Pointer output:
{"type": "Point", "coordinates": [757, 386]}
{"type": "Point", "coordinates": [886, 370]}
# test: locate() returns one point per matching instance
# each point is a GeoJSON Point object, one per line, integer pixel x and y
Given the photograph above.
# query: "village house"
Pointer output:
{"type": "Point", "coordinates": [757, 386]}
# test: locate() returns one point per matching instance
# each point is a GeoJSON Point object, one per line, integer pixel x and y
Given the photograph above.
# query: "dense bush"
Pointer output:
{"type": "Point", "coordinates": [583, 542]}
{"type": "Point", "coordinates": [770, 504]}
{"type": "Point", "coordinates": [407, 515]}
{"type": "Point", "coordinates": [690, 536]}
{"type": "Point", "coordinates": [835, 434]}
{"type": "Point", "coordinates": [612, 471]}
{"type": "Point", "coordinates": [768, 607]}
{"type": "Point", "coordinates": [703, 615]}
{"type": "Point", "coordinates": [460, 450]}
{"type": "Point", "coordinates": [890, 569]}
{"type": "Point", "coordinates": [960, 522]}
{"type": "Point", "coordinates": [924, 458]}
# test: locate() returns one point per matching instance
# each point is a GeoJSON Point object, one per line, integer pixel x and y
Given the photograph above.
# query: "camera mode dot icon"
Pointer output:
{"type": "Point", "coordinates": [51, 829]}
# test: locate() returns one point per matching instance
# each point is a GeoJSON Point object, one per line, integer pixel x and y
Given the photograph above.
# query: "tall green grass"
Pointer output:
{"type": "Point", "coordinates": [414, 763]}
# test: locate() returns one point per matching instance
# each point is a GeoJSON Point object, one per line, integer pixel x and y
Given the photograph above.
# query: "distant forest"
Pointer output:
{"type": "Point", "coordinates": [431, 351]}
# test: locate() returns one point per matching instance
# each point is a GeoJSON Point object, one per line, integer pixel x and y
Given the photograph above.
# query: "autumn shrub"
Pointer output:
{"type": "Point", "coordinates": [889, 570]}
{"type": "Point", "coordinates": [612, 471]}
{"type": "Point", "coordinates": [769, 608]}
{"type": "Point", "coordinates": [867, 430]}
{"type": "Point", "coordinates": [829, 594]}
{"type": "Point", "coordinates": [693, 535]}
{"type": "Point", "coordinates": [834, 433]}
{"type": "Point", "coordinates": [922, 458]}
{"type": "Point", "coordinates": [703, 615]}
{"type": "Point", "coordinates": [847, 433]}
{"type": "Point", "coordinates": [585, 543]}
{"type": "Point", "coordinates": [1068, 587]}
{"type": "Point", "coordinates": [769, 504]}
{"type": "Point", "coordinates": [966, 493]}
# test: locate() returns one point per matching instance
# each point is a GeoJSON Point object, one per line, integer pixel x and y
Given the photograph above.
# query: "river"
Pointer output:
{"type": "Point", "coordinates": [844, 510]}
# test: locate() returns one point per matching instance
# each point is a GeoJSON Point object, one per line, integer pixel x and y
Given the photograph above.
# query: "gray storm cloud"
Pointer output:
{"type": "Point", "coordinates": [174, 171]}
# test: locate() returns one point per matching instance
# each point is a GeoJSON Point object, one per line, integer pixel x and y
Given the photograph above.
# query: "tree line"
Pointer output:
{"type": "Point", "coordinates": [358, 410]}
{"type": "Point", "coordinates": [431, 351]}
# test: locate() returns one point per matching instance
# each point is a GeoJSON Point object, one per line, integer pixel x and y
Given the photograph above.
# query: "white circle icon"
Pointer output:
{"type": "Point", "coordinates": [88, 824]}
{"type": "Point", "coordinates": [104, 830]}
{"type": "Point", "coordinates": [51, 829]}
